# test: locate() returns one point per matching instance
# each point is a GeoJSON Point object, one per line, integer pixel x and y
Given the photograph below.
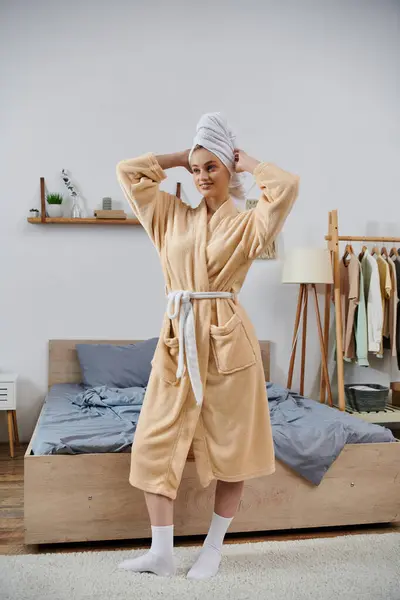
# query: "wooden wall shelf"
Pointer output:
{"type": "Point", "coordinates": [86, 221]}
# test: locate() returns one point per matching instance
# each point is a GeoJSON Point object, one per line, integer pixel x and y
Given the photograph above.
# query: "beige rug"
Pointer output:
{"type": "Point", "coordinates": [357, 567]}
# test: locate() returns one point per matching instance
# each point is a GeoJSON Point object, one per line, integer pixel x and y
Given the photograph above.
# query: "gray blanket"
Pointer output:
{"type": "Point", "coordinates": [79, 421]}
{"type": "Point", "coordinates": [308, 436]}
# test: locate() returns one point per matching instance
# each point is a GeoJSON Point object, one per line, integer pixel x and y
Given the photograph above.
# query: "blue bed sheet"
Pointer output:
{"type": "Point", "coordinates": [75, 420]}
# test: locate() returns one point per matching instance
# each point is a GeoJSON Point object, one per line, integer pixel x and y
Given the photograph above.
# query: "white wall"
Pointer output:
{"type": "Point", "coordinates": [313, 86]}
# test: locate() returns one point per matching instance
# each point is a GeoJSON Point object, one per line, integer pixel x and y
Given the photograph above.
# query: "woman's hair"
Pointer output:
{"type": "Point", "coordinates": [197, 147]}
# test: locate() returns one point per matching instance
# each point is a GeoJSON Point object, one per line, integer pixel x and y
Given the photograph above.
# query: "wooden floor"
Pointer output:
{"type": "Point", "coordinates": [12, 520]}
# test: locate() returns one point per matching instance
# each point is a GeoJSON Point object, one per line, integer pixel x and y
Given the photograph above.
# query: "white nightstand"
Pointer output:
{"type": "Point", "coordinates": [8, 402]}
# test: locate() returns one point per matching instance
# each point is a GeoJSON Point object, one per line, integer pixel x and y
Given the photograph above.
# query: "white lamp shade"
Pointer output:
{"type": "Point", "coordinates": [307, 265]}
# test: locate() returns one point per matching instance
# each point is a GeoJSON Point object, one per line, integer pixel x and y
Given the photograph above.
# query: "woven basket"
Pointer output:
{"type": "Point", "coordinates": [364, 400]}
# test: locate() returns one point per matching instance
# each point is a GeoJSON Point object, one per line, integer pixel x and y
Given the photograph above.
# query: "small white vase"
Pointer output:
{"type": "Point", "coordinates": [54, 210]}
{"type": "Point", "coordinates": [78, 211]}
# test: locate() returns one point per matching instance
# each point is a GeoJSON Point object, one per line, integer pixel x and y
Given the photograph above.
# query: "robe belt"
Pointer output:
{"type": "Point", "coordinates": [179, 304]}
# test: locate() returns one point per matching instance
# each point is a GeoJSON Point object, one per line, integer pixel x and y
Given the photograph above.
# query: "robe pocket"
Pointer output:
{"type": "Point", "coordinates": [231, 346]}
{"type": "Point", "coordinates": [166, 360]}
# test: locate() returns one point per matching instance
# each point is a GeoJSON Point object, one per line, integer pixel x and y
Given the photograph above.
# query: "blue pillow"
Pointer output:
{"type": "Point", "coordinates": [116, 366]}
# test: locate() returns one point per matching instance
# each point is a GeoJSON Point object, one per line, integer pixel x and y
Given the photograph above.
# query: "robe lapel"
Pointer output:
{"type": "Point", "coordinates": [202, 308]}
{"type": "Point", "coordinates": [200, 248]}
{"type": "Point", "coordinates": [226, 209]}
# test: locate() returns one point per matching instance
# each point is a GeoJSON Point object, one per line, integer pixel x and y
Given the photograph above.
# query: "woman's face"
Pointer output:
{"type": "Point", "coordinates": [210, 175]}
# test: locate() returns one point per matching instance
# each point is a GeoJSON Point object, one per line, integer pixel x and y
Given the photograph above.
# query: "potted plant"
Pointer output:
{"type": "Point", "coordinates": [54, 202]}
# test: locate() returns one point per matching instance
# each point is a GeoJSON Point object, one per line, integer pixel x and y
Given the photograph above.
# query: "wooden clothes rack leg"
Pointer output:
{"type": "Point", "coordinates": [334, 247]}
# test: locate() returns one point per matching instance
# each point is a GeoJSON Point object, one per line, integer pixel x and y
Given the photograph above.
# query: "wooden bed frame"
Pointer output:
{"type": "Point", "coordinates": [87, 497]}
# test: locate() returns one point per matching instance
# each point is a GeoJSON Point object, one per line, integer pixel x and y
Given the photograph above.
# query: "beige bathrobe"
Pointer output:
{"type": "Point", "coordinates": [231, 431]}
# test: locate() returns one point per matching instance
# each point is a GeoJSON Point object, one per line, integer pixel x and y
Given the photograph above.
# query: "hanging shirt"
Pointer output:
{"type": "Point", "coordinates": [373, 300]}
{"type": "Point", "coordinates": [397, 266]}
{"type": "Point", "coordinates": [350, 290]}
{"type": "Point", "coordinates": [361, 326]}
{"type": "Point", "coordinates": [393, 301]}
{"type": "Point", "coordinates": [386, 289]}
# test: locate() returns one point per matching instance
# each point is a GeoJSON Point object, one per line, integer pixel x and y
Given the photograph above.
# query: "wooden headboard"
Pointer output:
{"type": "Point", "coordinates": [64, 365]}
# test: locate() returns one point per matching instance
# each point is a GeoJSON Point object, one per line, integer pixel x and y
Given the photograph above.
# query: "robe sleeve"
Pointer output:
{"type": "Point", "coordinates": [279, 191]}
{"type": "Point", "coordinates": [140, 179]}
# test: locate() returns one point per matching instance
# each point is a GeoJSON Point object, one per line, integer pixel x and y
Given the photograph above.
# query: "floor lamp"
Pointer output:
{"type": "Point", "coordinates": [307, 267]}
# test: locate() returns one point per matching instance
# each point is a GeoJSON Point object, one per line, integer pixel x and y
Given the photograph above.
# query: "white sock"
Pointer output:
{"type": "Point", "coordinates": [160, 558]}
{"type": "Point", "coordinates": [207, 563]}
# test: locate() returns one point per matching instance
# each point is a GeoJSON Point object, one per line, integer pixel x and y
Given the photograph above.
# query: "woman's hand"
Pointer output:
{"type": "Point", "coordinates": [244, 162]}
{"type": "Point", "coordinates": [178, 159]}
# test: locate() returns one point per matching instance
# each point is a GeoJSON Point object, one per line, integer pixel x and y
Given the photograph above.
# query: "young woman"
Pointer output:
{"type": "Point", "coordinates": [207, 386]}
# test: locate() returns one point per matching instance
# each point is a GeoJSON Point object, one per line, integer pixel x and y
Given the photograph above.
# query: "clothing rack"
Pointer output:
{"type": "Point", "coordinates": [333, 238]}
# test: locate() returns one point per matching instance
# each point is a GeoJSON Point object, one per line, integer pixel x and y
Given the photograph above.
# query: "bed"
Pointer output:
{"type": "Point", "coordinates": [87, 496]}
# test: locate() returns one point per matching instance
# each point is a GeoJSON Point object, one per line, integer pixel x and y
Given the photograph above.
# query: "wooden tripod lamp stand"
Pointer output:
{"type": "Point", "coordinates": [307, 267]}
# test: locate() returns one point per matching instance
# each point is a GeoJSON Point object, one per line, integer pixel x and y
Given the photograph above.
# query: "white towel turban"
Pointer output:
{"type": "Point", "coordinates": [215, 135]}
